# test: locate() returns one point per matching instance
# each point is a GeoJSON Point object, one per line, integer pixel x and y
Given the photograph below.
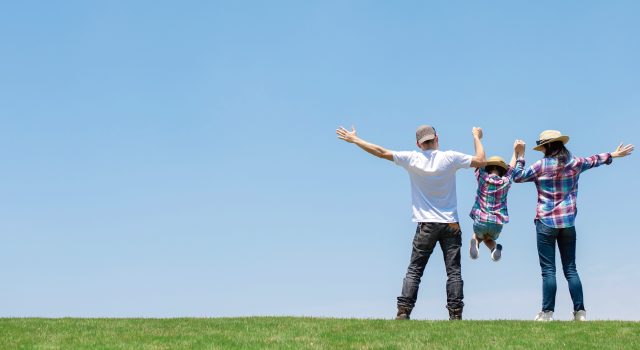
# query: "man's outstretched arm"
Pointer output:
{"type": "Point", "coordinates": [350, 136]}
{"type": "Point", "coordinates": [479, 160]}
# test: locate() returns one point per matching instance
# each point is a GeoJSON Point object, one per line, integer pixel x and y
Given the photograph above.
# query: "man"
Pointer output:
{"type": "Point", "coordinates": [433, 193]}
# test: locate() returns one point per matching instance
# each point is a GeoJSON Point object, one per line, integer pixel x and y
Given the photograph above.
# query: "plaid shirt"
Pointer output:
{"type": "Point", "coordinates": [491, 197]}
{"type": "Point", "coordinates": [557, 194]}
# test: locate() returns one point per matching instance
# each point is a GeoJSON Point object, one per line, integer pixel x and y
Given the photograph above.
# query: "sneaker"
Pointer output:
{"type": "Point", "coordinates": [544, 316]}
{"type": "Point", "coordinates": [474, 252]}
{"type": "Point", "coordinates": [455, 314]}
{"type": "Point", "coordinates": [579, 316]}
{"type": "Point", "coordinates": [403, 313]}
{"type": "Point", "coordinates": [496, 252]}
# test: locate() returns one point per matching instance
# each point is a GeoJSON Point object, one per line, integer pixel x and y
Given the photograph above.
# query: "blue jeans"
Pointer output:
{"type": "Point", "coordinates": [483, 229]}
{"type": "Point", "coordinates": [566, 237]}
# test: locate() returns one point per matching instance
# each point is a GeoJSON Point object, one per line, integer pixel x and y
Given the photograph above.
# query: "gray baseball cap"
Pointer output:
{"type": "Point", "coordinates": [425, 133]}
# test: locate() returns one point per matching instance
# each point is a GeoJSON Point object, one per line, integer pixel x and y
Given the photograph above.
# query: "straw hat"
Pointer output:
{"type": "Point", "coordinates": [548, 137]}
{"type": "Point", "coordinates": [497, 161]}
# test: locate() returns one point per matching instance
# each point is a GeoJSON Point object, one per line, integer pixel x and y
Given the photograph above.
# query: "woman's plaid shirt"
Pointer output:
{"type": "Point", "coordinates": [491, 197]}
{"type": "Point", "coordinates": [557, 193]}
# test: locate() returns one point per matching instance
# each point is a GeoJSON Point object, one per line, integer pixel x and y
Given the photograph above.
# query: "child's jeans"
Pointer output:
{"type": "Point", "coordinates": [483, 229]}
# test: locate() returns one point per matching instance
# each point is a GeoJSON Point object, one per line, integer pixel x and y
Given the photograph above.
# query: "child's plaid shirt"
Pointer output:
{"type": "Point", "coordinates": [491, 197]}
{"type": "Point", "coordinates": [557, 194]}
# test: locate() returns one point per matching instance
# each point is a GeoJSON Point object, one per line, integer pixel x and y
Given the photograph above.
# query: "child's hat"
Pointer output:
{"type": "Point", "coordinates": [548, 137]}
{"type": "Point", "coordinates": [497, 161]}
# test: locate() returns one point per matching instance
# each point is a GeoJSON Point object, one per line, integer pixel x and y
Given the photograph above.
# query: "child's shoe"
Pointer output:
{"type": "Point", "coordinates": [544, 316]}
{"type": "Point", "coordinates": [496, 252]}
{"type": "Point", "coordinates": [474, 251]}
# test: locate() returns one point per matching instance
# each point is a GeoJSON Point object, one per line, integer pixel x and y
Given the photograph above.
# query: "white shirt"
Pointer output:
{"type": "Point", "coordinates": [433, 183]}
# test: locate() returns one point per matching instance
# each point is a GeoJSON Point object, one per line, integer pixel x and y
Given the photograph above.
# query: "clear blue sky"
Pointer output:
{"type": "Point", "coordinates": [163, 158]}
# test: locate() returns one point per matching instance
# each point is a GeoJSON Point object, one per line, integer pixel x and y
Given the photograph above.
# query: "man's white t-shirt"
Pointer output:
{"type": "Point", "coordinates": [433, 183]}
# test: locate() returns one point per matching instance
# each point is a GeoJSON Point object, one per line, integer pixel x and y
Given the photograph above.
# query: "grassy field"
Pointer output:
{"type": "Point", "coordinates": [311, 333]}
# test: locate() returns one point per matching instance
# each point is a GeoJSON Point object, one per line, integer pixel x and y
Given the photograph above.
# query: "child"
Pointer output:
{"type": "Point", "coordinates": [489, 213]}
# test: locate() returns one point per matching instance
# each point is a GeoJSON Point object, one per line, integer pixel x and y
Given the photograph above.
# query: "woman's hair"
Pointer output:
{"type": "Point", "coordinates": [556, 149]}
{"type": "Point", "coordinates": [490, 168]}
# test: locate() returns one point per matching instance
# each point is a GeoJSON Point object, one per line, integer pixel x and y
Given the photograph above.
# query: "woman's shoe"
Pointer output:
{"type": "Point", "coordinates": [579, 316]}
{"type": "Point", "coordinates": [544, 316]}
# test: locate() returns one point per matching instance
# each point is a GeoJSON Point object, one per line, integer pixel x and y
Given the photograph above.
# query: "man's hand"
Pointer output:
{"type": "Point", "coordinates": [350, 136]}
{"type": "Point", "coordinates": [479, 160]}
{"type": "Point", "coordinates": [477, 132]}
{"type": "Point", "coordinates": [344, 134]}
{"type": "Point", "coordinates": [519, 147]}
{"type": "Point", "coordinates": [622, 151]}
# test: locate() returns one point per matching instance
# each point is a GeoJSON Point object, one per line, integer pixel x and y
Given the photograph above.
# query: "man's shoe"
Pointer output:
{"type": "Point", "coordinates": [496, 252]}
{"type": "Point", "coordinates": [544, 316]}
{"type": "Point", "coordinates": [403, 313]}
{"type": "Point", "coordinates": [455, 314]}
{"type": "Point", "coordinates": [474, 252]}
{"type": "Point", "coordinates": [579, 316]}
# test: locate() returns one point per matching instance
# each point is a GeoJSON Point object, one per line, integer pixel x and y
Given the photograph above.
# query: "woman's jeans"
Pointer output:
{"type": "Point", "coordinates": [566, 237]}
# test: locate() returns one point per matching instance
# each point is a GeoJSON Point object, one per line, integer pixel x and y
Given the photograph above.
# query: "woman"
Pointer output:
{"type": "Point", "coordinates": [556, 178]}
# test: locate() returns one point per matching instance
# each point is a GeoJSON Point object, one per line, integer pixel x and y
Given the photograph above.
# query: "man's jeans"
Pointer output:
{"type": "Point", "coordinates": [566, 237]}
{"type": "Point", "coordinates": [427, 235]}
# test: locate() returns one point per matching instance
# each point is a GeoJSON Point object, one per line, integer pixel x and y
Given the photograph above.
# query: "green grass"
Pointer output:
{"type": "Point", "coordinates": [311, 333]}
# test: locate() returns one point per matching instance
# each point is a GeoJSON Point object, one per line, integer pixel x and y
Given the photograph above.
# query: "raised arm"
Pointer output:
{"type": "Point", "coordinates": [605, 158]}
{"type": "Point", "coordinates": [526, 175]}
{"type": "Point", "coordinates": [350, 136]}
{"type": "Point", "coordinates": [479, 160]}
{"type": "Point", "coordinates": [520, 174]}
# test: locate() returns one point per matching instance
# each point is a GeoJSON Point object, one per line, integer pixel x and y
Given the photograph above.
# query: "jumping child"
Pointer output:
{"type": "Point", "coordinates": [489, 213]}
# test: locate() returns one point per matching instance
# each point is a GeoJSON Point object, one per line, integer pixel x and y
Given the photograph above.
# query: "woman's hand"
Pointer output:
{"type": "Point", "coordinates": [622, 151]}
